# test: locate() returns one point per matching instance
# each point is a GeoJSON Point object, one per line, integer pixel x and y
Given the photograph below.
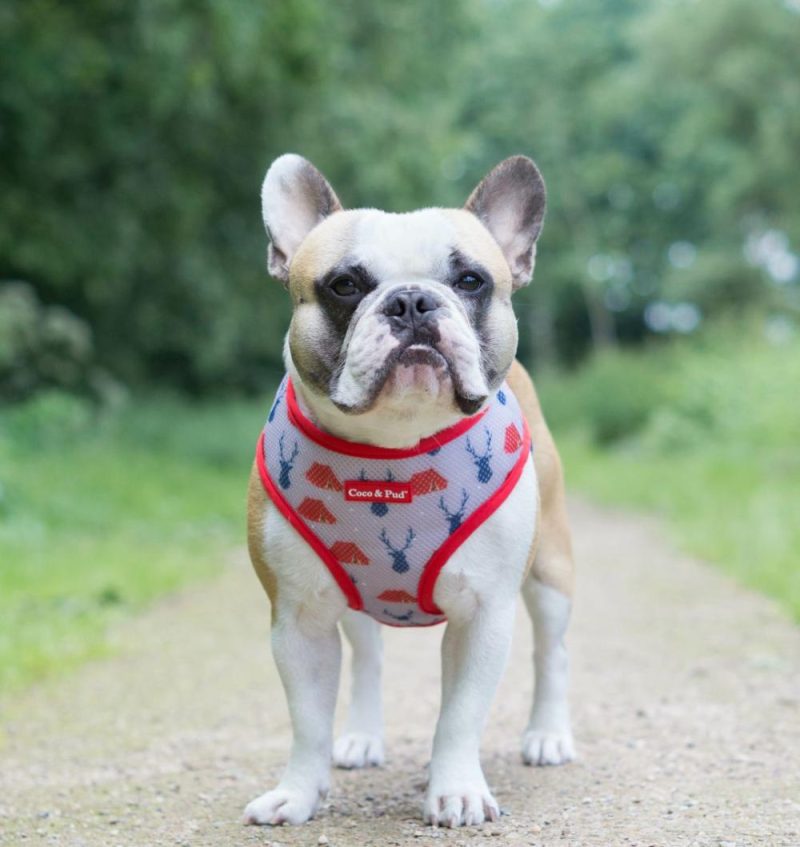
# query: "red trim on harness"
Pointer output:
{"type": "Point", "coordinates": [370, 451]}
{"type": "Point", "coordinates": [337, 571]}
{"type": "Point", "coordinates": [441, 556]}
{"type": "Point", "coordinates": [434, 565]}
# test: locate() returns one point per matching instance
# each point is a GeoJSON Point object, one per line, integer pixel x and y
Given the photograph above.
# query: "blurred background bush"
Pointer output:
{"type": "Point", "coordinates": [136, 317]}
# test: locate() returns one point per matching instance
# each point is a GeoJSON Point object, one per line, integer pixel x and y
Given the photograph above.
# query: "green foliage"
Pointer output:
{"type": "Point", "coordinates": [135, 135]}
{"type": "Point", "coordinates": [713, 447]}
{"type": "Point", "coordinates": [613, 396]}
{"type": "Point", "coordinates": [730, 385]}
{"type": "Point", "coordinates": [100, 515]}
{"type": "Point", "coordinates": [655, 124]}
{"type": "Point", "coordinates": [45, 348]}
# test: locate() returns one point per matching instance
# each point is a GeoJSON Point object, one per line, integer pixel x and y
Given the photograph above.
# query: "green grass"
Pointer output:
{"type": "Point", "coordinates": [705, 434]}
{"type": "Point", "coordinates": [100, 516]}
{"type": "Point", "coordinates": [741, 512]}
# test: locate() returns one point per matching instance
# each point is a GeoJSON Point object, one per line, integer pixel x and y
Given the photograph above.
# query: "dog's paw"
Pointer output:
{"type": "Point", "coordinates": [460, 804]}
{"type": "Point", "coordinates": [282, 805]}
{"type": "Point", "coordinates": [358, 750]}
{"type": "Point", "coordinates": [547, 747]}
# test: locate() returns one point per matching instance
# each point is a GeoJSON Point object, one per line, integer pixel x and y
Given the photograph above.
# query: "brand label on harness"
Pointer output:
{"type": "Point", "coordinates": [368, 491]}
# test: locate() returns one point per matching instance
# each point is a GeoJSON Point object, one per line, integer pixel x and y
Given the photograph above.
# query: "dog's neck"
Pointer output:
{"type": "Point", "coordinates": [397, 420]}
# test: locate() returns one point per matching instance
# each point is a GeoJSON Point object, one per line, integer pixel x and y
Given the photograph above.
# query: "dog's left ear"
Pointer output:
{"type": "Point", "coordinates": [510, 203]}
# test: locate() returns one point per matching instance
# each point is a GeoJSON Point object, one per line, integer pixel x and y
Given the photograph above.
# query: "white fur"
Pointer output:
{"type": "Point", "coordinates": [307, 651]}
{"type": "Point", "coordinates": [403, 250]}
{"type": "Point", "coordinates": [548, 737]}
{"type": "Point", "coordinates": [361, 743]}
{"type": "Point", "coordinates": [404, 247]}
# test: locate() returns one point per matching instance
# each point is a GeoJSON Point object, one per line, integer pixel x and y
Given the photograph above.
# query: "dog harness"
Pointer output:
{"type": "Point", "coordinates": [384, 520]}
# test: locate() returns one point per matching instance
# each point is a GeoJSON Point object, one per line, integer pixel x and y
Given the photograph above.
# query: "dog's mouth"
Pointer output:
{"type": "Point", "coordinates": [422, 354]}
{"type": "Point", "coordinates": [416, 356]}
{"type": "Point", "coordinates": [426, 354]}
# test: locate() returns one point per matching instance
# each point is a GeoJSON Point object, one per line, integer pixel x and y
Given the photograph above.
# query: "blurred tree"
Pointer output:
{"type": "Point", "coordinates": [666, 132]}
{"type": "Point", "coordinates": [134, 135]}
{"type": "Point", "coordinates": [726, 125]}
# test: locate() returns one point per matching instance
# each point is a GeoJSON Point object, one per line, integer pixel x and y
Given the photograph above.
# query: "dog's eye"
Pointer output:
{"type": "Point", "coordinates": [469, 282]}
{"type": "Point", "coordinates": [344, 286]}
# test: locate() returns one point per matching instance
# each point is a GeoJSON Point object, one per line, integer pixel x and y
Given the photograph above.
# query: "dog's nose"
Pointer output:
{"type": "Point", "coordinates": [408, 306]}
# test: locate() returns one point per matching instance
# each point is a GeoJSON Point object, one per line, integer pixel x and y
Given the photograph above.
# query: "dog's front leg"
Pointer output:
{"type": "Point", "coordinates": [474, 652]}
{"type": "Point", "coordinates": [307, 651]}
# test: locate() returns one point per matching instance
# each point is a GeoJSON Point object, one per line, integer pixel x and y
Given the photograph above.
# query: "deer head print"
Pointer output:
{"type": "Point", "coordinates": [398, 555]}
{"type": "Point", "coordinates": [482, 460]}
{"type": "Point", "coordinates": [454, 518]}
{"type": "Point", "coordinates": [286, 464]}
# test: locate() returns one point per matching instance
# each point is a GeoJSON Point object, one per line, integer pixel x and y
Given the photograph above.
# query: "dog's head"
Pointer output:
{"type": "Point", "coordinates": [401, 309]}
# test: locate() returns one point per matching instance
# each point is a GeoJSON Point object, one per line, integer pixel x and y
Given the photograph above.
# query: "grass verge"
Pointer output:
{"type": "Point", "coordinates": [705, 434]}
{"type": "Point", "coordinates": [739, 512]}
{"type": "Point", "coordinates": [98, 517]}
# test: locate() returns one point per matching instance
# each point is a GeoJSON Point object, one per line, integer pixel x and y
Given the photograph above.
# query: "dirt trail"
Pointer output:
{"type": "Point", "coordinates": [686, 702]}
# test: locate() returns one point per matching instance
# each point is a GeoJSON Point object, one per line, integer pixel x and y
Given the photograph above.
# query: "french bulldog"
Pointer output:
{"type": "Point", "coordinates": [401, 347]}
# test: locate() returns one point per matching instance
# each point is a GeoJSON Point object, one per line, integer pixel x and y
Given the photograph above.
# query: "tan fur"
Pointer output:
{"type": "Point", "coordinates": [322, 249]}
{"type": "Point", "coordinates": [257, 504]}
{"type": "Point", "coordinates": [472, 232]}
{"type": "Point", "coordinates": [550, 561]}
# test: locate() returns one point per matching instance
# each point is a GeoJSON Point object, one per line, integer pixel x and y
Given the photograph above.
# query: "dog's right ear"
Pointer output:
{"type": "Point", "coordinates": [295, 197]}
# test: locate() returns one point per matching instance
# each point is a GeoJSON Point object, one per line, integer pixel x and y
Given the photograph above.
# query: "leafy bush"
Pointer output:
{"type": "Point", "coordinates": [612, 397]}
{"type": "Point", "coordinates": [729, 386]}
{"type": "Point", "coordinates": [45, 347]}
{"type": "Point", "coordinates": [51, 417]}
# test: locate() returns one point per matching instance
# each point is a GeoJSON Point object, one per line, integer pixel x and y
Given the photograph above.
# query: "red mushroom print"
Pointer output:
{"type": "Point", "coordinates": [513, 439]}
{"type": "Point", "coordinates": [397, 595]}
{"type": "Point", "coordinates": [322, 476]}
{"type": "Point", "coordinates": [315, 510]}
{"type": "Point", "coordinates": [349, 553]}
{"type": "Point", "coordinates": [427, 481]}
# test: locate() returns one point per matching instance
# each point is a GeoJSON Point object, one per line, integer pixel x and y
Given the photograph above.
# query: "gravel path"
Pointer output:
{"type": "Point", "coordinates": [686, 701]}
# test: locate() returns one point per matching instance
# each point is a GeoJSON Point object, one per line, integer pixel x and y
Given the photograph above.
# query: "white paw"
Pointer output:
{"type": "Point", "coordinates": [283, 805]}
{"type": "Point", "coordinates": [357, 750]}
{"type": "Point", "coordinates": [547, 747]}
{"type": "Point", "coordinates": [463, 803]}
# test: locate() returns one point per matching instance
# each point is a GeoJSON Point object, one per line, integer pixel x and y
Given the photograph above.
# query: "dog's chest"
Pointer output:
{"type": "Point", "coordinates": [385, 521]}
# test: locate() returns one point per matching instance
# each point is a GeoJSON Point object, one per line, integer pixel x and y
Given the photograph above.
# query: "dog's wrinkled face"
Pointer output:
{"type": "Point", "coordinates": [388, 303]}
{"type": "Point", "coordinates": [402, 308]}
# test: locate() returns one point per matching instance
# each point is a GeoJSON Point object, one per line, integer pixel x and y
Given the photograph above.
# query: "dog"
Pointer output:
{"type": "Point", "coordinates": [406, 475]}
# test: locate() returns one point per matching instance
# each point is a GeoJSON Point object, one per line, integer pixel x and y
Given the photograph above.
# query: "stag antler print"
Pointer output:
{"type": "Point", "coordinates": [454, 518]}
{"type": "Point", "coordinates": [284, 479]}
{"type": "Point", "coordinates": [398, 556]}
{"type": "Point", "coordinates": [482, 461]}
